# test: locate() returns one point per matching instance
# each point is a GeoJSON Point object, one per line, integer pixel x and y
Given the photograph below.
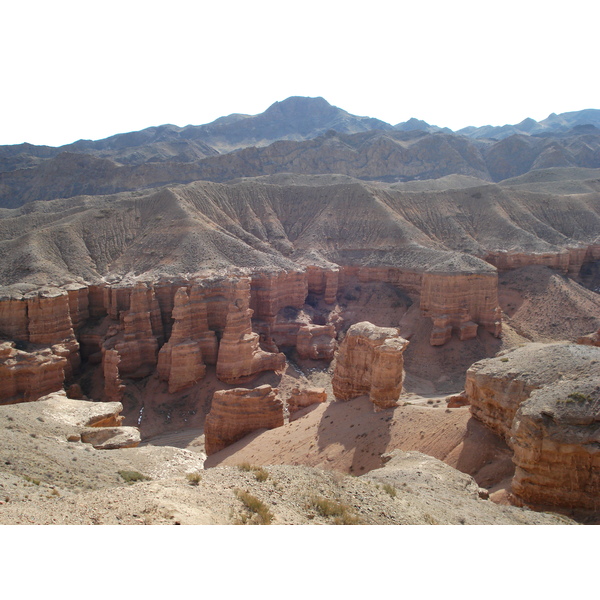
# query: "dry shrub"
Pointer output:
{"type": "Point", "coordinates": [257, 512]}
{"type": "Point", "coordinates": [341, 513]}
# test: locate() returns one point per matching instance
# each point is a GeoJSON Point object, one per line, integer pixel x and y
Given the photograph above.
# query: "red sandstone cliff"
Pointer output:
{"type": "Point", "coordinates": [370, 362]}
{"type": "Point", "coordinates": [237, 412]}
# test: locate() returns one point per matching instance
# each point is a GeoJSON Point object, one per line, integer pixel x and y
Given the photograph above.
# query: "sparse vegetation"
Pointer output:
{"type": "Point", "coordinates": [259, 472]}
{"type": "Point", "coordinates": [342, 513]}
{"type": "Point", "coordinates": [133, 476]}
{"type": "Point", "coordinates": [579, 397]}
{"type": "Point", "coordinates": [193, 478]}
{"type": "Point", "coordinates": [390, 489]}
{"type": "Point", "coordinates": [257, 512]}
{"type": "Point", "coordinates": [32, 480]}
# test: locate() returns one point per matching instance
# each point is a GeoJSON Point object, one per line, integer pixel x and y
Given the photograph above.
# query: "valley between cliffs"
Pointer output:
{"type": "Point", "coordinates": [161, 300]}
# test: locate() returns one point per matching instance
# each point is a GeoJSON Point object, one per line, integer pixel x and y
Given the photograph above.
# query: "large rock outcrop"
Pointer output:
{"type": "Point", "coordinates": [496, 387]}
{"type": "Point", "coordinates": [142, 334]}
{"type": "Point", "coordinates": [237, 412]}
{"type": "Point", "coordinates": [302, 397]}
{"type": "Point", "coordinates": [25, 376]}
{"type": "Point", "coordinates": [370, 362]}
{"type": "Point", "coordinates": [556, 441]}
{"type": "Point", "coordinates": [181, 361]}
{"type": "Point", "coordinates": [240, 356]}
{"type": "Point", "coordinates": [461, 302]}
{"type": "Point", "coordinates": [316, 342]}
{"type": "Point", "coordinates": [99, 423]}
{"type": "Point", "coordinates": [113, 385]}
{"type": "Point", "coordinates": [544, 400]}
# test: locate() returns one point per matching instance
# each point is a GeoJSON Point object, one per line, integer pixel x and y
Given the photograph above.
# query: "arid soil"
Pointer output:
{"type": "Point", "coordinates": [46, 479]}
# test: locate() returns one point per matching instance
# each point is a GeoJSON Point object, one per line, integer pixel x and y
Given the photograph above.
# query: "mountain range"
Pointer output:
{"type": "Point", "coordinates": [301, 136]}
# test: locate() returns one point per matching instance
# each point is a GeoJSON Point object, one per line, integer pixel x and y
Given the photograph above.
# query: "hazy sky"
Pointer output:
{"type": "Point", "coordinates": [73, 69]}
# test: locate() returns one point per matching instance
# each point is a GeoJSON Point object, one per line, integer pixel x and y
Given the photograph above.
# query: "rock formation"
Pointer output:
{"type": "Point", "coordinates": [181, 360]}
{"type": "Point", "coordinates": [272, 291]}
{"type": "Point", "coordinates": [323, 281]}
{"type": "Point", "coordinates": [316, 342]}
{"type": "Point", "coordinates": [235, 413]}
{"type": "Point", "coordinates": [25, 376]}
{"type": "Point", "coordinates": [142, 334]}
{"type": "Point", "coordinates": [99, 423]}
{"type": "Point", "coordinates": [544, 400]}
{"type": "Point", "coordinates": [49, 324]}
{"type": "Point", "coordinates": [496, 387]}
{"type": "Point", "coordinates": [303, 397]}
{"type": "Point", "coordinates": [113, 385]}
{"type": "Point", "coordinates": [556, 441]}
{"type": "Point", "coordinates": [592, 339]}
{"type": "Point", "coordinates": [110, 438]}
{"type": "Point", "coordinates": [13, 318]}
{"type": "Point", "coordinates": [370, 362]}
{"type": "Point", "coordinates": [240, 357]}
{"type": "Point", "coordinates": [460, 302]}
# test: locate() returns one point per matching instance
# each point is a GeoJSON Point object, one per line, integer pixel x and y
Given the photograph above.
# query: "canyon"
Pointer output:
{"type": "Point", "coordinates": [259, 315]}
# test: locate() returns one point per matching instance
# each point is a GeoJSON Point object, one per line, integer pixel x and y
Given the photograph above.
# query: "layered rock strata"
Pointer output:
{"type": "Point", "coordinates": [323, 282]}
{"type": "Point", "coordinates": [113, 385]}
{"type": "Point", "coordinates": [240, 356]}
{"type": "Point", "coordinates": [461, 302]}
{"type": "Point", "coordinates": [237, 412]}
{"type": "Point", "coordinates": [556, 441]}
{"type": "Point", "coordinates": [142, 334]}
{"type": "Point", "coordinates": [303, 397]}
{"type": "Point", "coordinates": [181, 361]}
{"type": "Point", "coordinates": [316, 342]}
{"type": "Point", "coordinates": [25, 376]}
{"type": "Point", "coordinates": [370, 361]}
{"type": "Point", "coordinates": [496, 387]}
{"type": "Point", "coordinates": [544, 400]}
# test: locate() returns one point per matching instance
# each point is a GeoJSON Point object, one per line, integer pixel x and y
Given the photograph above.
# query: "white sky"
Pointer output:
{"type": "Point", "coordinates": [72, 69]}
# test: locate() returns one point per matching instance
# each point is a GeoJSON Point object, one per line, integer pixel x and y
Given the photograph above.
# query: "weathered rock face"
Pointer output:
{"type": "Point", "coordinates": [302, 397]}
{"type": "Point", "coordinates": [496, 387]}
{"type": "Point", "coordinates": [556, 441]}
{"type": "Point", "coordinates": [113, 385]}
{"type": "Point", "coordinates": [81, 413]}
{"type": "Point", "coordinates": [567, 260]}
{"type": "Point", "coordinates": [316, 342]}
{"type": "Point", "coordinates": [181, 360]}
{"type": "Point", "coordinates": [544, 400]}
{"type": "Point", "coordinates": [49, 324]}
{"type": "Point", "coordinates": [273, 291]}
{"type": "Point", "coordinates": [237, 412]}
{"type": "Point", "coordinates": [370, 362]}
{"type": "Point", "coordinates": [110, 438]}
{"type": "Point", "coordinates": [99, 422]}
{"type": "Point", "coordinates": [457, 400]}
{"type": "Point", "coordinates": [13, 319]}
{"type": "Point", "coordinates": [142, 334]}
{"type": "Point", "coordinates": [593, 339]}
{"type": "Point", "coordinates": [25, 376]}
{"type": "Point", "coordinates": [460, 302]}
{"type": "Point", "coordinates": [240, 357]}
{"type": "Point", "coordinates": [78, 304]}
{"type": "Point", "coordinates": [323, 282]}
